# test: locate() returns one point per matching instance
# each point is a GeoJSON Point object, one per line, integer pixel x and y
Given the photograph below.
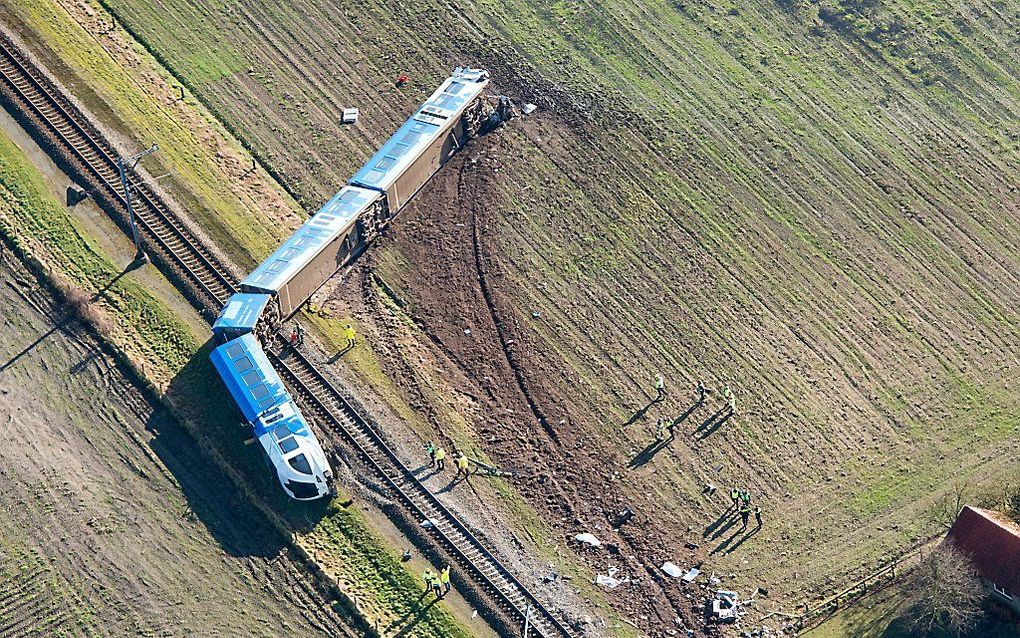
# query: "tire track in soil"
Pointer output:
{"type": "Point", "coordinates": [554, 455]}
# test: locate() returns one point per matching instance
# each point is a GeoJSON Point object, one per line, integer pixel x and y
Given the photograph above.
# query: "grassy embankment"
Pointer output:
{"type": "Point", "coordinates": [153, 340]}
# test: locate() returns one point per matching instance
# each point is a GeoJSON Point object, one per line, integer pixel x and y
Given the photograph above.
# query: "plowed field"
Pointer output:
{"type": "Point", "coordinates": [814, 202]}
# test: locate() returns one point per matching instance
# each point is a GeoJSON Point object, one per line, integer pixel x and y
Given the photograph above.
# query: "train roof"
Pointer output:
{"type": "Point", "coordinates": [249, 376]}
{"type": "Point", "coordinates": [241, 312]}
{"type": "Point", "coordinates": [306, 242]}
{"type": "Point", "coordinates": [407, 144]}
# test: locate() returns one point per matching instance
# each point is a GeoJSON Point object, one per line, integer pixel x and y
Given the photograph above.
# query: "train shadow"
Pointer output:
{"type": "Point", "coordinates": [222, 500]}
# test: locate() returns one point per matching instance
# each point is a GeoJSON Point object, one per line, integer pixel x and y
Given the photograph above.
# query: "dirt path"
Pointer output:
{"type": "Point", "coordinates": [112, 523]}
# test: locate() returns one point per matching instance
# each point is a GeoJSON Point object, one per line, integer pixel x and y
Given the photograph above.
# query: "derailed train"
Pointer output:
{"type": "Point", "coordinates": [324, 244]}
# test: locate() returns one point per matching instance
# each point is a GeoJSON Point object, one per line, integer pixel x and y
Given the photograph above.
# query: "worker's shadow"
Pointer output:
{"type": "Point", "coordinates": [642, 411]}
{"type": "Point", "coordinates": [688, 412]}
{"type": "Point", "coordinates": [712, 423]}
{"type": "Point", "coordinates": [339, 354]}
{"type": "Point", "coordinates": [452, 484]}
{"type": "Point", "coordinates": [743, 539]}
{"type": "Point", "coordinates": [722, 547]}
{"type": "Point", "coordinates": [422, 475]}
{"type": "Point", "coordinates": [649, 452]}
{"type": "Point", "coordinates": [408, 621]}
{"type": "Point", "coordinates": [728, 515]}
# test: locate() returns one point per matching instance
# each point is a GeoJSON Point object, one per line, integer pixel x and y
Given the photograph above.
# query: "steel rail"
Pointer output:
{"type": "Point", "coordinates": [82, 141]}
{"type": "Point", "coordinates": [70, 128]}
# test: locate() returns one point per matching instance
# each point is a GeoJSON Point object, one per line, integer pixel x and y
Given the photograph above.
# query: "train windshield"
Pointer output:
{"type": "Point", "coordinates": [300, 463]}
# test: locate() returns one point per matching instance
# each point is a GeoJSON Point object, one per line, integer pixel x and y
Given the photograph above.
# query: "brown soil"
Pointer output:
{"type": "Point", "coordinates": [458, 297]}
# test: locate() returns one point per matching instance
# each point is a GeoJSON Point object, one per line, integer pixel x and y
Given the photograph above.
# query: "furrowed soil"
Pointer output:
{"type": "Point", "coordinates": [112, 524]}
{"type": "Point", "coordinates": [815, 203]}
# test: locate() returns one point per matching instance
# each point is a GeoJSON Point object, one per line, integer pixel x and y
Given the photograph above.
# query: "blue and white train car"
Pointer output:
{"type": "Point", "coordinates": [441, 126]}
{"type": "Point", "coordinates": [324, 244]}
{"type": "Point", "coordinates": [342, 228]}
{"type": "Point", "coordinates": [288, 443]}
{"type": "Point", "coordinates": [316, 250]}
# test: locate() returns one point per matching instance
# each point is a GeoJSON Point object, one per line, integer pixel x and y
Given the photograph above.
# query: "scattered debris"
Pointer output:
{"type": "Point", "coordinates": [402, 80]}
{"type": "Point", "coordinates": [692, 574]}
{"type": "Point", "coordinates": [610, 580]}
{"type": "Point", "coordinates": [725, 606]}
{"type": "Point", "coordinates": [467, 331]}
{"type": "Point", "coordinates": [671, 569]}
{"type": "Point", "coordinates": [690, 545]}
{"type": "Point", "coordinates": [536, 314]}
{"type": "Point", "coordinates": [623, 516]}
{"type": "Point", "coordinates": [349, 116]}
{"type": "Point", "coordinates": [529, 108]}
{"type": "Point", "coordinates": [429, 523]}
{"type": "Point", "coordinates": [406, 556]}
{"type": "Point", "coordinates": [588, 539]}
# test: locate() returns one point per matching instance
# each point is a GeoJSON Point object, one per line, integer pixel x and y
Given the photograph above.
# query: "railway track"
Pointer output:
{"type": "Point", "coordinates": [67, 131]}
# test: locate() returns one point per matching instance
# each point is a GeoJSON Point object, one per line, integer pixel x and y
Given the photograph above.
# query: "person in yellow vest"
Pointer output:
{"type": "Point", "coordinates": [429, 577]}
{"type": "Point", "coordinates": [349, 334]}
{"type": "Point", "coordinates": [731, 401]}
{"type": "Point", "coordinates": [462, 465]}
{"type": "Point", "coordinates": [440, 459]}
{"type": "Point", "coordinates": [444, 579]}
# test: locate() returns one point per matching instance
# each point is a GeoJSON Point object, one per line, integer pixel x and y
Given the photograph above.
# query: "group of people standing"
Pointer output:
{"type": "Point", "coordinates": [437, 456]}
{"type": "Point", "coordinates": [740, 502]}
{"type": "Point", "coordinates": [439, 583]}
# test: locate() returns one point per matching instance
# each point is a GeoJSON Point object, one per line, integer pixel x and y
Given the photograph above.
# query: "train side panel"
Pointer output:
{"type": "Point", "coordinates": [426, 141]}
{"type": "Point", "coordinates": [249, 376]}
{"type": "Point", "coordinates": [314, 252]}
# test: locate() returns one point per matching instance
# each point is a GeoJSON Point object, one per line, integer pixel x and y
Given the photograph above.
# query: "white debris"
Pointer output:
{"type": "Point", "coordinates": [610, 580]}
{"type": "Point", "coordinates": [429, 523]}
{"type": "Point", "coordinates": [588, 539]}
{"type": "Point", "coordinates": [529, 108]}
{"type": "Point", "coordinates": [691, 575]}
{"type": "Point", "coordinates": [671, 569]}
{"type": "Point", "coordinates": [467, 331]}
{"type": "Point", "coordinates": [350, 116]}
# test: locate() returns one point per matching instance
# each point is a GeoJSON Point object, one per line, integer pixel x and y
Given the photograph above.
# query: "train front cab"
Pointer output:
{"type": "Point", "coordinates": [294, 452]}
{"type": "Point", "coordinates": [285, 438]}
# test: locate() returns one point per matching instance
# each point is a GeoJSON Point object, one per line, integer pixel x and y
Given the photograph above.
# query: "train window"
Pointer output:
{"type": "Point", "coordinates": [235, 350]}
{"type": "Point", "coordinates": [300, 463]}
{"type": "Point", "coordinates": [289, 445]}
{"type": "Point", "coordinates": [281, 432]}
{"type": "Point", "coordinates": [450, 102]}
{"type": "Point", "coordinates": [251, 377]}
{"type": "Point", "coordinates": [454, 88]}
{"type": "Point", "coordinates": [385, 163]}
{"type": "Point", "coordinates": [410, 138]}
{"type": "Point", "coordinates": [260, 391]}
{"type": "Point", "coordinates": [243, 364]}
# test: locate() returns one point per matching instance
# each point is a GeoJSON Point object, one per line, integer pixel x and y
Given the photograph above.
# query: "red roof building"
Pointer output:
{"type": "Point", "coordinates": [993, 544]}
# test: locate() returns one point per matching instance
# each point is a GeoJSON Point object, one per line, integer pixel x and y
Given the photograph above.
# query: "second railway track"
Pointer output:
{"type": "Point", "coordinates": [48, 113]}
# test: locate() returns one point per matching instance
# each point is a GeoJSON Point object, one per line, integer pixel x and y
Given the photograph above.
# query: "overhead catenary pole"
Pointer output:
{"type": "Point", "coordinates": [122, 166]}
{"type": "Point", "coordinates": [527, 620]}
